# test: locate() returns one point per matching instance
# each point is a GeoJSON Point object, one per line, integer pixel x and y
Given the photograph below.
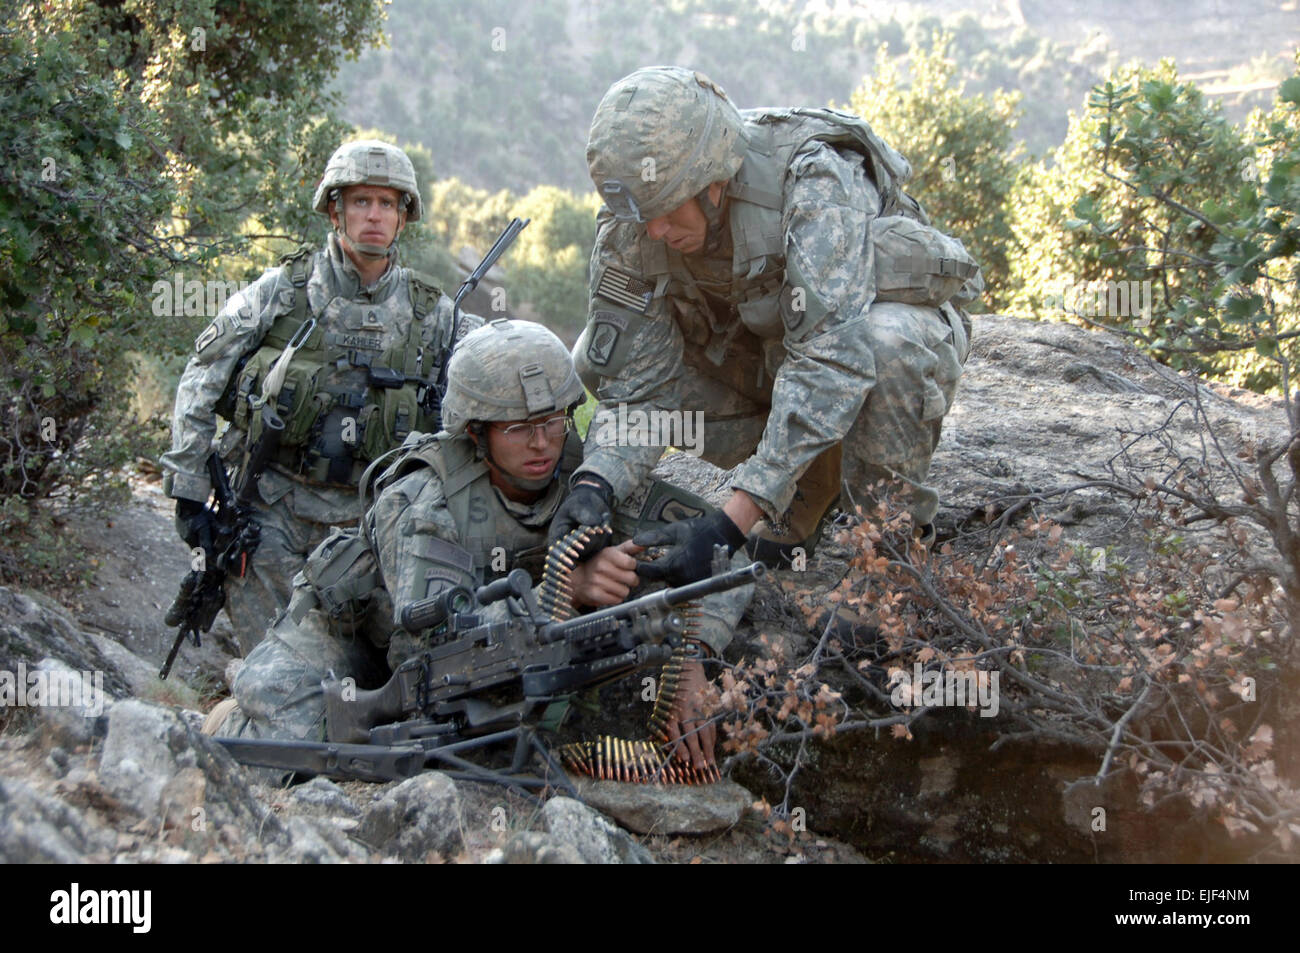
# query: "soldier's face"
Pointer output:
{"type": "Point", "coordinates": [373, 214]}
{"type": "Point", "coordinates": [527, 454]}
{"type": "Point", "coordinates": [684, 228]}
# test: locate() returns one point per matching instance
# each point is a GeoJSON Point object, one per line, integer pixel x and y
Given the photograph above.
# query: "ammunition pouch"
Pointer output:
{"type": "Point", "coordinates": [386, 423]}
{"type": "Point", "coordinates": [300, 402]}
{"type": "Point", "coordinates": [343, 574]}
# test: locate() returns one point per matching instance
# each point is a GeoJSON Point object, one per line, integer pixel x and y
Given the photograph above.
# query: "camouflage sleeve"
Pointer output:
{"type": "Point", "coordinates": [415, 538]}
{"type": "Point", "coordinates": [830, 284]}
{"type": "Point", "coordinates": [642, 344]}
{"type": "Point", "coordinates": [235, 331]}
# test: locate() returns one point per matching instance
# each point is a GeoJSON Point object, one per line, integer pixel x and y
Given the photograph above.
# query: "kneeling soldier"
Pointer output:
{"type": "Point", "coordinates": [458, 508]}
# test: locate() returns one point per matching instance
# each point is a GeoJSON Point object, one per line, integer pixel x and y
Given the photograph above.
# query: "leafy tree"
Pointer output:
{"type": "Point", "coordinates": [461, 216]}
{"type": "Point", "coordinates": [549, 268]}
{"type": "Point", "coordinates": [964, 164]}
{"type": "Point", "coordinates": [1154, 185]}
{"type": "Point", "coordinates": [1048, 76]}
{"type": "Point", "coordinates": [141, 139]}
{"type": "Point", "coordinates": [81, 191]}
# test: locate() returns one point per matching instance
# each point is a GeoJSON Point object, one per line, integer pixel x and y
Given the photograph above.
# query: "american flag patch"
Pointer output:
{"type": "Point", "coordinates": [626, 289]}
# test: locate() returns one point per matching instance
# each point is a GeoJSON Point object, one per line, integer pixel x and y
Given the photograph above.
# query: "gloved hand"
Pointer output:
{"type": "Point", "coordinates": [588, 504]}
{"type": "Point", "coordinates": [691, 558]}
{"type": "Point", "coordinates": [193, 522]}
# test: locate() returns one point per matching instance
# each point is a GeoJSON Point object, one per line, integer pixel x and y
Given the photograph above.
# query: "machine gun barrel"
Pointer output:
{"type": "Point", "coordinates": [655, 601]}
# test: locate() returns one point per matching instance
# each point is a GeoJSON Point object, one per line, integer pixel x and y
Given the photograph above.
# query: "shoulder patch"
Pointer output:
{"type": "Point", "coordinates": [624, 288]}
{"type": "Point", "coordinates": [606, 326]}
{"type": "Point", "coordinates": [209, 336]}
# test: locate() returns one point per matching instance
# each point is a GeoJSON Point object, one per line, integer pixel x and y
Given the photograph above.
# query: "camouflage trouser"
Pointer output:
{"type": "Point", "coordinates": [288, 535]}
{"type": "Point", "coordinates": [918, 355]}
{"type": "Point", "coordinates": [279, 686]}
{"type": "Point", "coordinates": [718, 615]}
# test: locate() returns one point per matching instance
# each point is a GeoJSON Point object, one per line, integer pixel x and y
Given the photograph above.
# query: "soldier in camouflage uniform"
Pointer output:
{"type": "Point", "coordinates": [458, 508]}
{"type": "Point", "coordinates": [340, 341]}
{"type": "Point", "coordinates": [766, 269]}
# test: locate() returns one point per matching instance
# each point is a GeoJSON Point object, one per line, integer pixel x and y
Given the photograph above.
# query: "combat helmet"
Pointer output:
{"type": "Point", "coordinates": [508, 370]}
{"type": "Point", "coordinates": [369, 162]}
{"type": "Point", "coordinates": [660, 137]}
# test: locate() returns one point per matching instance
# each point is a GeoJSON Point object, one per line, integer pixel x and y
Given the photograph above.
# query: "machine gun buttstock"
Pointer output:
{"type": "Point", "coordinates": [351, 713]}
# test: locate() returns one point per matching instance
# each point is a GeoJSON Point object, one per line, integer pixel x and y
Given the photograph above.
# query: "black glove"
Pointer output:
{"type": "Point", "coordinates": [193, 522]}
{"type": "Point", "coordinates": [691, 558]}
{"type": "Point", "coordinates": [586, 505]}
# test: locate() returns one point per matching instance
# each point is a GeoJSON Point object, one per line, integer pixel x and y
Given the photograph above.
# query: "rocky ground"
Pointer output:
{"type": "Point", "coordinates": [133, 780]}
{"type": "Point", "coordinates": [1041, 406]}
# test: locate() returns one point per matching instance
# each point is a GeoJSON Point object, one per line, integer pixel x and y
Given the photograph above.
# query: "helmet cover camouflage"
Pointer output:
{"type": "Point", "coordinates": [508, 370]}
{"type": "Point", "coordinates": [369, 162]}
{"type": "Point", "coordinates": [661, 136]}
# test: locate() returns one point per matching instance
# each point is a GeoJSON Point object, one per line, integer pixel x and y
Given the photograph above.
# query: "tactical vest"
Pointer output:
{"type": "Point", "coordinates": [476, 509]}
{"type": "Point", "coordinates": [930, 269]}
{"type": "Point", "coordinates": [346, 398]}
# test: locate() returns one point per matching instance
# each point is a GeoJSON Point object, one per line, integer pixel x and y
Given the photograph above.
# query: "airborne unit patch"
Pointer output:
{"type": "Point", "coordinates": [605, 329]}
{"type": "Point", "coordinates": [210, 334]}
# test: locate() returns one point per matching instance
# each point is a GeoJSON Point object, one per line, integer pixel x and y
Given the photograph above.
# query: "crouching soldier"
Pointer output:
{"type": "Point", "coordinates": [458, 508]}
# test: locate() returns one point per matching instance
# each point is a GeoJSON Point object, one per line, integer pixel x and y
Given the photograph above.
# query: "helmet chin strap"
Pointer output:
{"type": "Point", "coordinates": [713, 214]}
{"type": "Point", "coordinates": [364, 249]}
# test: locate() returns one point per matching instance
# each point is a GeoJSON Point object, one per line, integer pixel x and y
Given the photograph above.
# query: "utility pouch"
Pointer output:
{"type": "Point", "coordinates": [918, 264]}
{"type": "Point", "coordinates": [249, 385]}
{"type": "Point", "coordinates": [387, 422]}
{"type": "Point", "coordinates": [301, 403]}
{"type": "Point", "coordinates": [342, 572]}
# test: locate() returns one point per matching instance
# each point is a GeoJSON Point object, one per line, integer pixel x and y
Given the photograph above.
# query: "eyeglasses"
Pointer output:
{"type": "Point", "coordinates": [553, 427]}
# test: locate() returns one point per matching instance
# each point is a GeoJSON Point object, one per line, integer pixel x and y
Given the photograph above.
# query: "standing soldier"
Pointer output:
{"type": "Point", "coordinates": [344, 344]}
{"type": "Point", "coordinates": [766, 269]}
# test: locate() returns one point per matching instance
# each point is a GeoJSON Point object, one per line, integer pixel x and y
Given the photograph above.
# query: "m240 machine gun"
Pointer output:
{"type": "Point", "coordinates": [482, 682]}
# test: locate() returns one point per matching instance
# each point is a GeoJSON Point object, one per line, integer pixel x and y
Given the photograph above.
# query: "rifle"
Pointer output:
{"type": "Point", "coordinates": [480, 681]}
{"type": "Point", "coordinates": [431, 399]}
{"type": "Point", "coordinates": [228, 541]}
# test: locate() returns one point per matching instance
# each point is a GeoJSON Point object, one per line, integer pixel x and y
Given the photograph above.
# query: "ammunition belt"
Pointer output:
{"type": "Point", "coordinates": [608, 758]}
